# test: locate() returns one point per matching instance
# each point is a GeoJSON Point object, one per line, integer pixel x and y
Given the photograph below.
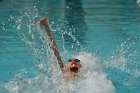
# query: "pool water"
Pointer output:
{"type": "Point", "coordinates": [103, 34]}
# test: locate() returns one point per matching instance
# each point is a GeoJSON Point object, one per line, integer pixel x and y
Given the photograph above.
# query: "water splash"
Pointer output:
{"type": "Point", "coordinates": [48, 78]}
{"type": "Point", "coordinates": [90, 81]}
{"type": "Point", "coordinates": [121, 65]}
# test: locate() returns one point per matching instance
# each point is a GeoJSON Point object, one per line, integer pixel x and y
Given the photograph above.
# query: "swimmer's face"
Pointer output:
{"type": "Point", "coordinates": [74, 65]}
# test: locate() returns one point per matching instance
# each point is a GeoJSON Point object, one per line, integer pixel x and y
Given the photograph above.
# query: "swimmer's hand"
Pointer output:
{"type": "Point", "coordinates": [43, 21]}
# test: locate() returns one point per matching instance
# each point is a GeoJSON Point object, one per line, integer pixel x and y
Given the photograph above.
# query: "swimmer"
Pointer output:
{"type": "Point", "coordinates": [71, 68]}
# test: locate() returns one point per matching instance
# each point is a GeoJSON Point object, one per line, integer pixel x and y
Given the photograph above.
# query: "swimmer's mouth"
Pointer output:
{"type": "Point", "coordinates": [74, 69]}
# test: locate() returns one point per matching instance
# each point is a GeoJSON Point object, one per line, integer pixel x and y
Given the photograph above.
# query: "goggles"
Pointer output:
{"type": "Point", "coordinates": [75, 60]}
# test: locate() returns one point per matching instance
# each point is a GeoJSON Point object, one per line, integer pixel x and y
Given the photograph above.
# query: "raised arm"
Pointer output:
{"type": "Point", "coordinates": [44, 22]}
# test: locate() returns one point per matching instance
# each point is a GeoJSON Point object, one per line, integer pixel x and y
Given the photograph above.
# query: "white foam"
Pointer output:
{"type": "Point", "coordinates": [91, 80]}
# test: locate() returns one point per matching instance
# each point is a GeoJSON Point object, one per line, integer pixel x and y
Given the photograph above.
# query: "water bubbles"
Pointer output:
{"type": "Point", "coordinates": [19, 27]}
{"type": "Point", "coordinates": [3, 28]}
{"type": "Point", "coordinates": [68, 7]}
{"type": "Point", "coordinates": [11, 17]}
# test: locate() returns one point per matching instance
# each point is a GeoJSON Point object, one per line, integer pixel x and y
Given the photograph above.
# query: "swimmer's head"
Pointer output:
{"type": "Point", "coordinates": [74, 64]}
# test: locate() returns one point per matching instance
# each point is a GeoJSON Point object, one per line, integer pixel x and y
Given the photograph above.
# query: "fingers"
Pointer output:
{"type": "Point", "coordinates": [43, 21]}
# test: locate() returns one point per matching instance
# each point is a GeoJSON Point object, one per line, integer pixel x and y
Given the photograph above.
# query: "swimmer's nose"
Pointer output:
{"type": "Point", "coordinates": [74, 65]}
{"type": "Point", "coordinates": [74, 62]}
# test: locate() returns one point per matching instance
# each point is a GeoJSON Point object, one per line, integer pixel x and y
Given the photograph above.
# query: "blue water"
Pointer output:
{"type": "Point", "coordinates": [104, 34]}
